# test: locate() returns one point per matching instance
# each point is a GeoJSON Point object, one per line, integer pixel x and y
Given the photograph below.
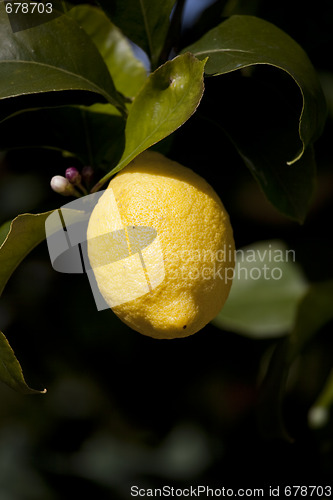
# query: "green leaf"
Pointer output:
{"type": "Point", "coordinates": [169, 97]}
{"type": "Point", "coordinates": [4, 229]}
{"type": "Point", "coordinates": [243, 41]}
{"type": "Point", "coordinates": [95, 138]}
{"type": "Point", "coordinates": [128, 73]}
{"type": "Point", "coordinates": [25, 233]}
{"type": "Point", "coordinates": [145, 22]}
{"type": "Point", "coordinates": [265, 293]}
{"type": "Point", "coordinates": [51, 64]}
{"type": "Point", "coordinates": [290, 189]}
{"type": "Point", "coordinates": [11, 371]}
{"type": "Point", "coordinates": [264, 137]}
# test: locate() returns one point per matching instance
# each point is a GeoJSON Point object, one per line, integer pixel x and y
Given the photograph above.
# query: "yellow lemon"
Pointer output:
{"type": "Point", "coordinates": [161, 248]}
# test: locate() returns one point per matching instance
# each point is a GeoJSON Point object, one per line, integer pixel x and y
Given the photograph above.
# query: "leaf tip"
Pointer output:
{"type": "Point", "coordinates": [298, 157]}
{"type": "Point", "coordinates": [22, 387]}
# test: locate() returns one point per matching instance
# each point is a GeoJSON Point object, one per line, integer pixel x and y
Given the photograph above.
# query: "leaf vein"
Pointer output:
{"type": "Point", "coordinates": [62, 70]}
{"type": "Point", "coordinates": [212, 51]}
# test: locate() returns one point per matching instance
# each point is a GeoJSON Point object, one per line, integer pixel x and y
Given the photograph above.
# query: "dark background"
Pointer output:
{"type": "Point", "coordinates": [123, 409]}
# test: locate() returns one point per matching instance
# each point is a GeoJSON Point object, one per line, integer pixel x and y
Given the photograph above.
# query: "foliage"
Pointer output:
{"type": "Point", "coordinates": [90, 97]}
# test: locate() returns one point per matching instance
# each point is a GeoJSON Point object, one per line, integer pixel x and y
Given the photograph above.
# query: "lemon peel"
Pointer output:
{"type": "Point", "coordinates": [169, 247]}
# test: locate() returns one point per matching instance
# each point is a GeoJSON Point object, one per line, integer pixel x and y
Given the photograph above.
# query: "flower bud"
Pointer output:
{"type": "Point", "coordinates": [72, 174]}
{"type": "Point", "coordinates": [61, 185]}
{"type": "Point", "coordinates": [87, 174]}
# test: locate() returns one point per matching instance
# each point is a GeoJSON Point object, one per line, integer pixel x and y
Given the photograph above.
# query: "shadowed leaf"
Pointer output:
{"type": "Point", "coordinates": [243, 41]}
{"type": "Point", "coordinates": [25, 233]}
{"type": "Point", "coordinates": [271, 121]}
{"type": "Point", "coordinates": [314, 311]}
{"type": "Point", "coordinates": [11, 371]}
{"type": "Point", "coordinates": [95, 138]}
{"type": "Point", "coordinates": [66, 67]}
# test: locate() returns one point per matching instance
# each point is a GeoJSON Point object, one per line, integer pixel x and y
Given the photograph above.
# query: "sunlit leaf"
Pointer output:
{"type": "Point", "coordinates": [169, 97]}
{"type": "Point", "coordinates": [128, 73]}
{"type": "Point", "coordinates": [145, 22]}
{"type": "Point", "coordinates": [265, 293]}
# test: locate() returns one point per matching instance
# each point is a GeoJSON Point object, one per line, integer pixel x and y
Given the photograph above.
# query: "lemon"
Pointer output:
{"type": "Point", "coordinates": [161, 248]}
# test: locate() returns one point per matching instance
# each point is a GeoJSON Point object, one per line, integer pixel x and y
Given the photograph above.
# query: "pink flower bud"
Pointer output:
{"type": "Point", "coordinates": [72, 174]}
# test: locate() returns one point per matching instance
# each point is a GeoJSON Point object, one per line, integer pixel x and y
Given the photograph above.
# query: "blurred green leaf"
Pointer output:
{"type": "Point", "coordinates": [95, 138]}
{"type": "Point", "coordinates": [243, 41]}
{"type": "Point", "coordinates": [269, 409]}
{"type": "Point", "coordinates": [265, 292]}
{"type": "Point", "coordinates": [325, 399]}
{"type": "Point", "coordinates": [51, 64]}
{"type": "Point", "coordinates": [314, 311]}
{"type": "Point", "coordinates": [319, 413]}
{"type": "Point", "coordinates": [11, 371]}
{"type": "Point", "coordinates": [128, 73]}
{"type": "Point", "coordinates": [169, 97]}
{"type": "Point", "coordinates": [145, 22]}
